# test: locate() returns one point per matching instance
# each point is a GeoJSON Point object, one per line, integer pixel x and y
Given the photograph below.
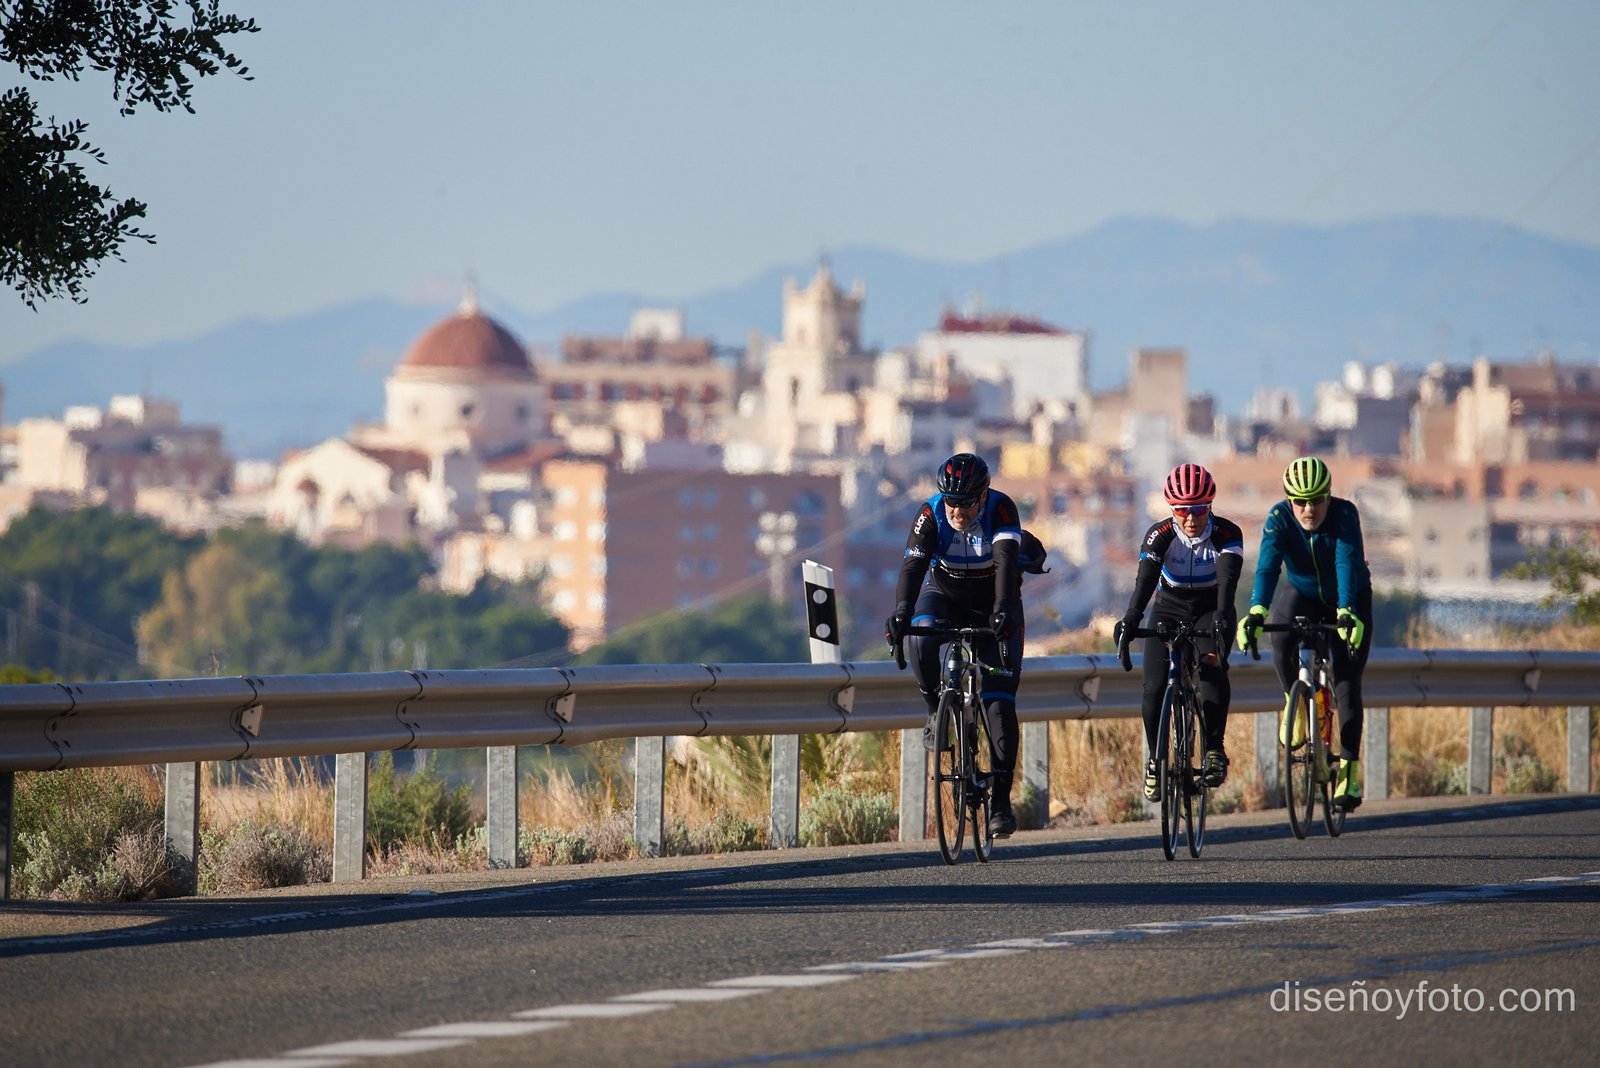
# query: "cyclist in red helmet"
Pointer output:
{"type": "Point", "coordinates": [1191, 561]}
{"type": "Point", "coordinates": [960, 568]}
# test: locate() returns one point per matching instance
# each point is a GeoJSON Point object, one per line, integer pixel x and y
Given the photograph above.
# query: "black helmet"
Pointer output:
{"type": "Point", "coordinates": [963, 477]}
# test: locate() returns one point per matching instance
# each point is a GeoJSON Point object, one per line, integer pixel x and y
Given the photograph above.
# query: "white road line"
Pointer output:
{"type": "Point", "coordinates": [773, 982]}
{"type": "Point", "coordinates": [590, 1010]}
{"type": "Point", "coordinates": [378, 1047]}
{"type": "Point", "coordinates": [484, 1029]}
{"type": "Point", "coordinates": [698, 993]}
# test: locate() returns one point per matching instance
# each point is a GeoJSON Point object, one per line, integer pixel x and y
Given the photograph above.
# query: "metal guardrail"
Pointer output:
{"type": "Point", "coordinates": [46, 726]}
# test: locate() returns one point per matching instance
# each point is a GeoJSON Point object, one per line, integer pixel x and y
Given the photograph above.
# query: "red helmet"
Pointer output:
{"type": "Point", "coordinates": [1190, 484]}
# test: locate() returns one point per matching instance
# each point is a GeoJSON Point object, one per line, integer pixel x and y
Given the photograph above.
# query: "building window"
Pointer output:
{"type": "Point", "coordinates": [685, 567]}
{"type": "Point", "coordinates": [708, 567]}
{"type": "Point", "coordinates": [686, 532]}
{"type": "Point", "coordinates": [686, 498]}
{"type": "Point", "coordinates": [709, 532]}
{"type": "Point", "coordinates": [709, 498]}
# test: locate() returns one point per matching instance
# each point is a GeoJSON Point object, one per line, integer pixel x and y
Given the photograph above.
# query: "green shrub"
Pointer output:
{"type": "Point", "coordinates": [727, 833]}
{"type": "Point", "coordinates": [1530, 775]}
{"type": "Point", "coordinates": [840, 816]}
{"type": "Point", "coordinates": [1418, 775]}
{"type": "Point", "coordinates": [246, 857]}
{"type": "Point", "coordinates": [90, 834]}
{"type": "Point", "coordinates": [414, 808]}
{"type": "Point", "coordinates": [542, 845]}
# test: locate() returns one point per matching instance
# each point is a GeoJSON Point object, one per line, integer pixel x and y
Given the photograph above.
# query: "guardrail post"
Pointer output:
{"type": "Point", "coordinates": [183, 823]}
{"type": "Point", "coordinates": [1268, 767]}
{"type": "Point", "coordinates": [913, 786]}
{"type": "Point", "coordinates": [1036, 767]}
{"type": "Point", "coordinates": [1578, 750]}
{"type": "Point", "coordinates": [350, 817]}
{"type": "Point", "coordinates": [8, 796]}
{"type": "Point", "coordinates": [1375, 754]}
{"type": "Point", "coordinates": [649, 795]}
{"type": "Point", "coordinates": [501, 806]}
{"type": "Point", "coordinates": [822, 625]}
{"type": "Point", "coordinates": [1480, 752]}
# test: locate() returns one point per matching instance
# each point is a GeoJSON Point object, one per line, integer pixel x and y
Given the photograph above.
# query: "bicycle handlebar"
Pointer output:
{"type": "Point", "coordinates": [1299, 625]}
{"type": "Point", "coordinates": [942, 632]}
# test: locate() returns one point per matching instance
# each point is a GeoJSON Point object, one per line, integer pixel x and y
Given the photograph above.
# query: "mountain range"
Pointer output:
{"type": "Point", "coordinates": [1254, 303]}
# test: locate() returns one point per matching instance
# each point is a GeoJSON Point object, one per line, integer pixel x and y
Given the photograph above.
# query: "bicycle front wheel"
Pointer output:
{"type": "Point", "coordinates": [1196, 792]}
{"type": "Point", "coordinates": [1296, 733]}
{"type": "Point", "coordinates": [1168, 774]}
{"type": "Point", "coordinates": [980, 783]}
{"type": "Point", "coordinates": [949, 787]}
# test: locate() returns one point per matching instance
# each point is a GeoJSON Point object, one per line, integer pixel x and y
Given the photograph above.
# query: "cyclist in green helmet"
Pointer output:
{"type": "Point", "coordinates": [1315, 538]}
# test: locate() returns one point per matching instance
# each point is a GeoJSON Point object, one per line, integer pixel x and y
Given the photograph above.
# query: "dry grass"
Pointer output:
{"type": "Point", "coordinates": [281, 790]}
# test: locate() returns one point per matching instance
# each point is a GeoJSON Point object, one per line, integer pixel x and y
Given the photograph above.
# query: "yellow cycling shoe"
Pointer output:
{"type": "Point", "coordinates": [1347, 791]}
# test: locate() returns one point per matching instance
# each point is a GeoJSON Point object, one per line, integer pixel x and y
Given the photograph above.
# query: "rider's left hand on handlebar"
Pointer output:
{"type": "Point", "coordinates": [1003, 621]}
{"type": "Point", "coordinates": [1351, 629]}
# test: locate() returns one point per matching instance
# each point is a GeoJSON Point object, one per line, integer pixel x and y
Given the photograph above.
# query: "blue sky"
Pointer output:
{"type": "Point", "coordinates": [555, 149]}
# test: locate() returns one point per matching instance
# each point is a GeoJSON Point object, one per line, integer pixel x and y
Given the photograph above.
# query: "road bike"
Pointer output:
{"type": "Point", "coordinates": [1182, 725]}
{"type": "Point", "coordinates": [1310, 760]}
{"type": "Point", "coordinates": [961, 773]}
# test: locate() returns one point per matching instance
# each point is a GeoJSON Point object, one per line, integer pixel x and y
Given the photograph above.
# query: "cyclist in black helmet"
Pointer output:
{"type": "Point", "coordinates": [1315, 538]}
{"type": "Point", "coordinates": [960, 569]}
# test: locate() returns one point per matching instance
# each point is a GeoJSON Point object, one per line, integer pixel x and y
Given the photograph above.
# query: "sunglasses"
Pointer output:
{"type": "Point", "coordinates": [961, 502]}
{"type": "Point", "coordinates": [1308, 502]}
{"type": "Point", "coordinates": [1190, 509]}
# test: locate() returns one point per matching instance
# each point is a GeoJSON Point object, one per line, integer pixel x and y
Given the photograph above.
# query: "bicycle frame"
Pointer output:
{"type": "Point", "coordinates": [961, 776]}
{"type": "Point", "coordinates": [1309, 724]}
{"type": "Point", "coordinates": [1182, 724]}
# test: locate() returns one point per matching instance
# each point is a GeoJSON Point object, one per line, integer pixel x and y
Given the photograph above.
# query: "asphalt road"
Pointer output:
{"type": "Point", "coordinates": [1433, 932]}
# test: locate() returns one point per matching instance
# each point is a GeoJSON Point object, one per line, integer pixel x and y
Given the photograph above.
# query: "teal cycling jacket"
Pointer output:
{"type": "Point", "coordinates": [1329, 563]}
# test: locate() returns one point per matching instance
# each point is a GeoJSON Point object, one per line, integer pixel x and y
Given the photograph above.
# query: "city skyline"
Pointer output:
{"type": "Point", "coordinates": [559, 150]}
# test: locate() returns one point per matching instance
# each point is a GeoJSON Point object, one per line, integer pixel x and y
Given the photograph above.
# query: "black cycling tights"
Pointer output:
{"type": "Point", "coordinates": [1215, 689]}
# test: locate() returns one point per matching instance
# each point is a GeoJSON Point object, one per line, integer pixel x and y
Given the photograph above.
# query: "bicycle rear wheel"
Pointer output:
{"type": "Point", "coordinates": [1196, 792]}
{"type": "Point", "coordinates": [949, 788]}
{"type": "Point", "coordinates": [980, 783]}
{"type": "Point", "coordinates": [1332, 817]}
{"type": "Point", "coordinates": [1167, 774]}
{"type": "Point", "coordinates": [1299, 760]}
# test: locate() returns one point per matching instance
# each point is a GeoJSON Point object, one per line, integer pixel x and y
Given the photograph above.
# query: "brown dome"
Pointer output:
{"type": "Point", "coordinates": [469, 341]}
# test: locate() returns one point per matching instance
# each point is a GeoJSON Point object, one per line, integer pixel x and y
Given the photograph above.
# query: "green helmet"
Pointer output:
{"type": "Point", "coordinates": [1307, 477]}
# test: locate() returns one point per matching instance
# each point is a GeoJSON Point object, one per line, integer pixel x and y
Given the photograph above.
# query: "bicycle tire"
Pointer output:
{"type": "Point", "coordinates": [980, 783]}
{"type": "Point", "coordinates": [1195, 799]}
{"type": "Point", "coordinates": [949, 788]}
{"type": "Point", "coordinates": [1167, 776]}
{"type": "Point", "coordinates": [1299, 761]}
{"type": "Point", "coordinates": [1332, 815]}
